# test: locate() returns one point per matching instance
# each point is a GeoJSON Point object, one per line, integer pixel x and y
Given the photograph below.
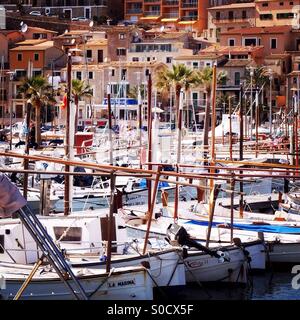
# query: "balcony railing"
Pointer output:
{"type": "Point", "coordinates": [189, 18]}
{"type": "Point", "coordinates": [171, 2]}
{"type": "Point", "coordinates": [137, 11]}
{"type": "Point", "coordinates": [152, 13]}
{"type": "Point", "coordinates": [193, 4]}
{"type": "Point", "coordinates": [147, 1]}
{"type": "Point", "coordinates": [227, 20]}
{"type": "Point", "coordinates": [171, 15]}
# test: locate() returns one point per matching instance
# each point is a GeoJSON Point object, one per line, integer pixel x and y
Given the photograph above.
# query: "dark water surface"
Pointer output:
{"type": "Point", "coordinates": [267, 286]}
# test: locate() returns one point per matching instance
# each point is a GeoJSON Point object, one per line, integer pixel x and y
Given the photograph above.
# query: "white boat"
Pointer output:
{"type": "Point", "coordinates": [120, 284]}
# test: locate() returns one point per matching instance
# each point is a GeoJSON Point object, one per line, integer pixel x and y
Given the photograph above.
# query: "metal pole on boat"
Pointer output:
{"type": "Point", "coordinates": [150, 212]}
{"type": "Point", "coordinates": [149, 184]}
{"type": "Point", "coordinates": [232, 184]}
{"type": "Point", "coordinates": [230, 129]}
{"type": "Point", "coordinates": [110, 221]}
{"type": "Point", "coordinates": [26, 161]}
{"type": "Point", "coordinates": [67, 145]}
{"type": "Point", "coordinates": [178, 152]}
{"type": "Point", "coordinates": [241, 149]}
{"type": "Point", "coordinates": [140, 120]}
{"type": "Point", "coordinates": [256, 123]}
{"type": "Point", "coordinates": [27, 281]}
{"type": "Point", "coordinates": [111, 159]}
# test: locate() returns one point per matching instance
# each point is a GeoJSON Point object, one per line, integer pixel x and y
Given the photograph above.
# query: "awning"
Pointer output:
{"type": "Point", "coordinates": [169, 19]}
{"type": "Point", "coordinates": [187, 22]}
{"type": "Point", "coordinates": [150, 18]}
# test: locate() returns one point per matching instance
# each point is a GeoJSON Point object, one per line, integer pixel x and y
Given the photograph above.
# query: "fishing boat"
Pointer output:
{"type": "Point", "coordinates": [119, 284]}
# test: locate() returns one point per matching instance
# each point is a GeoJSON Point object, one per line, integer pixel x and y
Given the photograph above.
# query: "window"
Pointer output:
{"type": "Point", "coordinates": [244, 14]}
{"type": "Point", "coordinates": [281, 3]}
{"type": "Point", "coordinates": [169, 60]}
{"type": "Point", "coordinates": [1, 243]}
{"type": "Point", "coordinates": [274, 43]}
{"type": "Point", "coordinates": [36, 57]}
{"type": "Point", "coordinates": [122, 36]}
{"type": "Point", "coordinates": [265, 4]}
{"type": "Point", "coordinates": [218, 15]}
{"type": "Point", "coordinates": [121, 52]}
{"type": "Point", "coordinates": [91, 75]}
{"type": "Point", "coordinates": [266, 16]}
{"type": "Point", "coordinates": [135, 59]}
{"type": "Point", "coordinates": [112, 72]}
{"type": "Point", "coordinates": [230, 15]}
{"type": "Point", "coordinates": [20, 57]}
{"type": "Point", "coordinates": [237, 78]}
{"type": "Point", "coordinates": [123, 73]}
{"type": "Point", "coordinates": [36, 73]}
{"type": "Point", "coordinates": [286, 15]}
{"type": "Point", "coordinates": [78, 75]}
{"type": "Point", "coordinates": [195, 65]}
{"type": "Point", "coordinates": [231, 42]}
{"type": "Point", "coordinates": [89, 53]}
{"type": "Point", "coordinates": [72, 233]}
{"type": "Point", "coordinates": [291, 3]}
{"type": "Point", "coordinates": [250, 41]}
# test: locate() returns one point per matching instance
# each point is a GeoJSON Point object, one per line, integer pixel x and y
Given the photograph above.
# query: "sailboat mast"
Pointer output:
{"type": "Point", "coordinates": [149, 184]}
{"type": "Point", "coordinates": [67, 145]}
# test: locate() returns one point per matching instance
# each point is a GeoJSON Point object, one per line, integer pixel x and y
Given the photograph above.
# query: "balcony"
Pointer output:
{"type": "Point", "coordinates": [170, 15]}
{"type": "Point", "coordinates": [189, 18]}
{"type": "Point", "coordinates": [171, 2]}
{"type": "Point", "coordinates": [231, 20]}
{"type": "Point", "coordinates": [135, 11]}
{"type": "Point", "coordinates": [152, 13]}
{"type": "Point", "coordinates": [193, 4]}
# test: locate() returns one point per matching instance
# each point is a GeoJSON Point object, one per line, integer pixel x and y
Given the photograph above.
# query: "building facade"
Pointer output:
{"type": "Point", "coordinates": [181, 14]}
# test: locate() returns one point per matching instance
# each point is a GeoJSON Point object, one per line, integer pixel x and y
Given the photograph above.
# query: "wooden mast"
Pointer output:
{"type": "Point", "coordinates": [67, 145]}
{"type": "Point", "coordinates": [213, 190]}
{"type": "Point", "coordinates": [178, 153]}
{"type": "Point", "coordinates": [149, 184]}
{"type": "Point", "coordinates": [26, 161]}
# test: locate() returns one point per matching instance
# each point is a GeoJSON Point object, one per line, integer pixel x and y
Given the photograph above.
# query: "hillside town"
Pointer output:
{"type": "Point", "coordinates": [149, 150]}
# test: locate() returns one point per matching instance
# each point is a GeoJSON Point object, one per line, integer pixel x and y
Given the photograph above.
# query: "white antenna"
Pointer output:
{"type": "Point", "coordinates": [24, 28]}
{"type": "Point", "coordinates": [91, 24]}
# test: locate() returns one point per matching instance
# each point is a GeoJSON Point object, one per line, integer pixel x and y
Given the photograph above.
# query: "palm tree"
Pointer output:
{"type": "Point", "coordinates": [260, 77]}
{"type": "Point", "coordinates": [205, 77]}
{"type": "Point", "coordinates": [38, 91]}
{"type": "Point", "coordinates": [179, 77]}
{"type": "Point", "coordinates": [134, 92]}
{"type": "Point", "coordinates": [79, 90]}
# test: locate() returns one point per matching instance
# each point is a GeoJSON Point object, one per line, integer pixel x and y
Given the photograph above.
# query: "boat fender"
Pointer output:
{"type": "Point", "coordinates": [103, 258]}
{"type": "Point", "coordinates": [146, 264]}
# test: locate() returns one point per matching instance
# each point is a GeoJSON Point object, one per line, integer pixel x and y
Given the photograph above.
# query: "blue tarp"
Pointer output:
{"type": "Point", "coordinates": [252, 227]}
{"type": "Point", "coordinates": [162, 184]}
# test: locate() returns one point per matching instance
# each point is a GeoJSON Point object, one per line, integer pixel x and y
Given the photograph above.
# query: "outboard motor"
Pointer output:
{"type": "Point", "coordinates": [179, 233]}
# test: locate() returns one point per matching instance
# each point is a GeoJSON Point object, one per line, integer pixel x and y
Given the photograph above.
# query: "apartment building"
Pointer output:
{"type": "Point", "coordinates": [228, 17]}
{"type": "Point", "coordinates": [32, 58]}
{"type": "Point", "coordinates": [64, 8]}
{"type": "Point", "coordinates": [121, 77]}
{"type": "Point", "coordinates": [180, 14]}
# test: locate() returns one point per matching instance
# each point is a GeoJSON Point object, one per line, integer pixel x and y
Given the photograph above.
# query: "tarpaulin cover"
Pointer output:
{"type": "Point", "coordinates": [11, 199]}
{"type": "Point", "coordinates": [252, 227]}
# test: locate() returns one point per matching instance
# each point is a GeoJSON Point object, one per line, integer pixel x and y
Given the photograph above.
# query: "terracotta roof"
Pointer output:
{"type": "Point", "coordinates": [237, 63]}
{"type": "Point", "coordinates": [31, 42]}
{"type": "Point", "coordinates": [42, 30]}
{"type": "Point", "coordinates": [231, 49]}
{"type": "Point", "coordinates": [259, 30]}
{"type": "Point", "coordinates": [200, 56]}
{"type": "Point", "coordinates": [38, 47]}
{"type": "Point", "coordinates": [278, 56]}
{"type": "Point", "coordinates": [102, 42]}
{"type": "Point", "coordinates": [234, 6]}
